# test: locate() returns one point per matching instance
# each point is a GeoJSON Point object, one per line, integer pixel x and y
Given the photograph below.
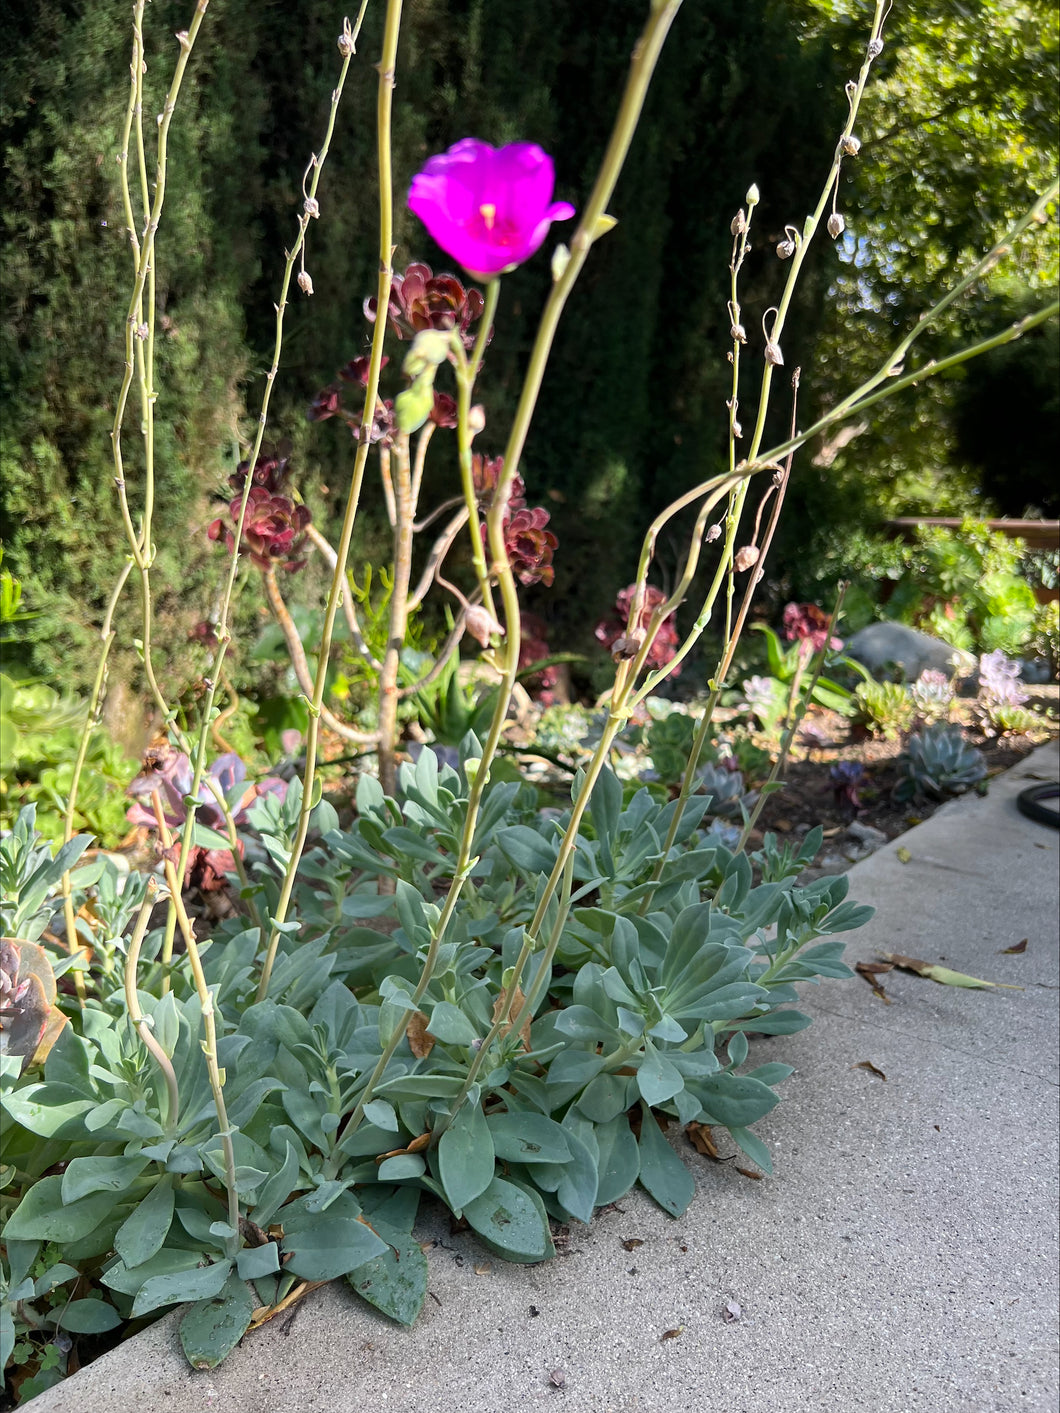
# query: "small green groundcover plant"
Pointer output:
{"type": "Point", "coordinates": [456, 994]}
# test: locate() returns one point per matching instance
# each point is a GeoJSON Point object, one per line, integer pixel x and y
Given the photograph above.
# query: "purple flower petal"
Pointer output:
{"type": "Point", "coordinates": [489, 208]}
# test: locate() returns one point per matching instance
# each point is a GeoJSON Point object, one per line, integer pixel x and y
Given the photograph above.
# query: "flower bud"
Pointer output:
{"type": "Point", "coordinates": [851, 145]}
{"type": "Point", "coordinates": [413, 406]}
{"type": "Point", "coordinates": [476, 419]}
{"type": "Point", "coordinates": [305, 282]}
{"type": "Point", "coordinates": [753, 196]}
{"type": "Point", "coordinates": [738, 224]}
{"type": "Point", "coordinates": [836, 225]}
{"type": "Point", "coordinates": [429, 348]}
{"type": "Point", "coordinates": [481, 623]}
{"type": "Point", "coordinates": [746, 556]}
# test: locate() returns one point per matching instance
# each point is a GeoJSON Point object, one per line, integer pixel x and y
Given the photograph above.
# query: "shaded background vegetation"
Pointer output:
{"type": "Point", "coordinates": [959, 133]}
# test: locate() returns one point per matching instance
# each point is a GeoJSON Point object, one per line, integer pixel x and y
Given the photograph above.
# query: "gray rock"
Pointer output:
{"type": "Point", "coordinates": [908, 648]}
{"type": "Point", "coordinates": [866, 834]}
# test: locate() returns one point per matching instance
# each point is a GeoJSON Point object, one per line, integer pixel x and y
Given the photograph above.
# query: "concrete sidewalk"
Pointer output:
{"type": "Point", "coordinates": [903, 1258]}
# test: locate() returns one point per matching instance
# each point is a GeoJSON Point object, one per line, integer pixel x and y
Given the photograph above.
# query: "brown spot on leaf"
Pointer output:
{"type": "Point", "coordinates": [421, 1042]}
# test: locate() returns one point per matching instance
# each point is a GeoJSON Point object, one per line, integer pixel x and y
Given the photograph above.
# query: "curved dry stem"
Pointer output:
{"type": "Point", "coordinates": [300, 663]}
{"type": "Point", "coordinates": [136, 1016]}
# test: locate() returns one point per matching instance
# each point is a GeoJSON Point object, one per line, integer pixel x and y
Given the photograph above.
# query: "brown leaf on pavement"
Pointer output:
{"type": "Point", "coordinates": [872, 971]}
{"type": "Point", "coordinates": [702, 1140]}
{"type": "Point", "coordinates": [748, 1173]}
{"type": "Point", "coordinates": [631, 1243]}
{"type": "Point", "coordinates": [675, 1333]}
{"type": "Point", "coordinates": [1015, 950]}
{"type": "Point", "coordinates": [872, 1069]}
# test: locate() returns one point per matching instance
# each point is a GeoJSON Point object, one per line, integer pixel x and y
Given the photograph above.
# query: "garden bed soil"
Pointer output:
{"type": "Point", "coordinates": [809, 797]}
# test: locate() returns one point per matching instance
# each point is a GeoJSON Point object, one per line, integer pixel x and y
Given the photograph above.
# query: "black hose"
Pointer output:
{"type": "Point", "coordinates": [1029, 803]}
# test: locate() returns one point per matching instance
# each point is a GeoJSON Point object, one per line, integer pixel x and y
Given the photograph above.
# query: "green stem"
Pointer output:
{"type": "Point", "coordinates": [384, 109]}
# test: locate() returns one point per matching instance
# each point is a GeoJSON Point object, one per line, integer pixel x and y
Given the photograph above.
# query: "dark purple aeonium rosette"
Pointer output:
{"type": "Point", "coordinates": [488, 207]}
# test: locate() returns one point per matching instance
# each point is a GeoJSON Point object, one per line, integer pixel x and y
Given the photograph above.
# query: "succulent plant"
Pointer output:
{"type": "Point", "coordinates": [933, 694]}
{"type": "Point", "coordinates": [726, 788]}
{"type": "Point", "coordinates": [938, 761]}
{"type": "Point", "coordinates": [886, 706]}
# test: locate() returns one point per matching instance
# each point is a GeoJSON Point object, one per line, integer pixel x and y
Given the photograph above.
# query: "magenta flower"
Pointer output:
{"type": "Point", "coordinates": [488, 207]}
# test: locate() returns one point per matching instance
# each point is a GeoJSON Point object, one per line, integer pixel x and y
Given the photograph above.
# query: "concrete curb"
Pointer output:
{"type": "Point", "coordinates": [904, 1257]}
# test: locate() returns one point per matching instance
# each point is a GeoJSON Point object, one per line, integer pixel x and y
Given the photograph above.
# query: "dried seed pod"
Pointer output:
{"type": "Point", "coordinates": [714, 533]}
{"type": "Point", "coordinates": [785, 249]}
{"type": "Point", "coordinates": [774, 357]}
{"type": "Point", "coordinates": [851, 145]}
{"type": "Point", "coordinates": [875, 48]}
{"type": "Point", "coordinates": [311, 206]}
{"type": "Point", "coordinates": [305, 282]}
{"type": "Point", "coordinates": [345, 43]}
{"type": "Point", "coordinates": [738, 224]}
{"type": "Point", "coordinates": [739, 333]}
{"type": "Point", "coordinates": [737, 430]}
{"type": "Point", "coordinates": [836, 225]}
{"type": "Point", "coordinates": [746, 557]}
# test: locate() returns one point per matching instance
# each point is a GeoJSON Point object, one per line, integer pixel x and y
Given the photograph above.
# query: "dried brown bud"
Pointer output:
{"type": "Point", "coordinates": [481, 623]}
{"type": "Point", "coordinates": [785, 249]}
{"type": "Point", "coordinates": [141, 331]}
{"type": "Point", "coordinates": [836, 225]}
{"type": "Point", "coordinates": [746, 557]}
{"type": "Point", "coordinates": [875, 48]}
{"type": "Point", "coordinates": [622, 649]}
{"type": "Point", "coordinates": [851, 145]}
{"type": "Point", "coordinates": [774, 357]}
{"type": "Point", "coordinates": [305, 282]}
{"type": "Point", "coordinates": [739, 333]}
{"type": "Point", "coordinates": [738, 224]}
{"type": "Point", "coordinates": [737, 430]}
{"type": "Point", "coordinates": [311, 206]}
{"type": "Point", "coordinates": [345, 43]}
{"type": "Point", "coordinates": [714, 533]}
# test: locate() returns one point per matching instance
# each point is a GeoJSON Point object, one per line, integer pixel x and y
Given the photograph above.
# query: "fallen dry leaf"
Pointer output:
{"type": "Point", "coordinates": [748, 1173]}
{"type": "Point", "coordinates": [945, 976]}
{"type": "Point", "coordinates": [516, 1006]}
{"type": "Point", "coordinates": [1015, 950]}
{"type": "Point", "coordinates": [872, 1069]}
{"type": "Point", "coordinates": [483, 1268]}
{"type": "Point", "coordinates": [872, 971]}
{"type": "Point", "coordinates": [557, 1378]}
{"type": "Point", "coordinates": [675, 1333]}
{"type": "Point", "coordinates": [631, 1243]}
{"type": "Point", "coordinates": [421, 1042]}
{"type": "Point", "coordinates": [731, 1311]}
{"type": "Point", "coordinates": [702, 1140]}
